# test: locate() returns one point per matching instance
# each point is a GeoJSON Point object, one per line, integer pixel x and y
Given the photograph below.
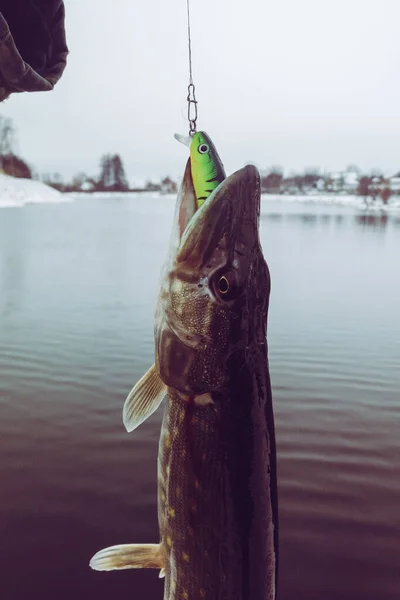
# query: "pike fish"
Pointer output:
{"type": "Point", "coordinates": [217, 479]}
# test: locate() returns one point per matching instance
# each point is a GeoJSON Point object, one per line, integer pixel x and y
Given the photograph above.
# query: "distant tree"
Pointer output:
{"type": "Point", "coordinates": [275, 169]}
{"type": "Point", "coordinates": [10, 163]}
{"type": "Point", "coordinates": [112, 175]}
{"type": "Point", "coordinates": [15, 166]}
{"type": "Point", "coordinates": [7, 137]}
{"type": "Point", "coordinates": [385, 195]}
{"type": "Point", "coordinates": [353, 169]}
{"type": "Point", "coordinates": [364, 186]}
{"type": "Point", "coordinates": [292, 183]}
{"type": "Point", "coordinates": [105, 180]}
{"type": "Point", "coordinates": [35, 174]}
{"type": "Point", "coordinates": [121, 184]}
{"type": "Point", "coordinates": [78, 180]}
{"type": "Point", "coordinates": [299, 182]}
{"type": "Point", "coordinates": [271, 182]}
{"type": "Point", "coordinates": [152, 187]}
{"type": "Point", "coordinates": [311, 176]}
{"type": "Point", "coordinates": [54, 180]}
{"type": "Point", "coordinates": [168, 186]}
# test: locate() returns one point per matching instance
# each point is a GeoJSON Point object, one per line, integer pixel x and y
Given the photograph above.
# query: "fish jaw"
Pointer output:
{"type": "Point", "coordinates": [185, 209]}
{"type": "Point", "coordinates": [197, 323]}
{"type": "Point", "coordinates": [229, 217]}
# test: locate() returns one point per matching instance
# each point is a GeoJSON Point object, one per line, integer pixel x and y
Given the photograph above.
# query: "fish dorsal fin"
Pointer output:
{"type": "Point", "coordinates": [129, 556]}
{"type": "Point", "coordinates": [144, 399]}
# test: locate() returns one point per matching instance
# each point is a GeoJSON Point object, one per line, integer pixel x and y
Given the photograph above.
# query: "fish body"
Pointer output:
{"type": "Point", "coordinates": [217, 483]}
{"type": "Point", "coordinates": [206, 166]}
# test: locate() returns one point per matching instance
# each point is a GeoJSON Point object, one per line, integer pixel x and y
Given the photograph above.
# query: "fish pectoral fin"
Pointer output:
{"type": "Point", "coordinates": [144, 399]}
{"type": "Point", "coordinates": [129, 556]}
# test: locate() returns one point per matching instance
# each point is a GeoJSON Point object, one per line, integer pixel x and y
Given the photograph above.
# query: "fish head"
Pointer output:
{"type": "Point", "coordinates": [215, 286]}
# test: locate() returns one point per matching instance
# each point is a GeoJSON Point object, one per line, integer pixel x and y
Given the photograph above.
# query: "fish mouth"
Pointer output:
{"type": "Point", "coordinates": [184, 210]}
{"type": "Point", "coordinates": [229, 216]}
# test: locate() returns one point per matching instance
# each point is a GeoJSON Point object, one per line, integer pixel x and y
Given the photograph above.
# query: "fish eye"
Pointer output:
{"type": "Point", "coordinates": [225, 285]}
{"type": "Point", "coordinates": [203, 148]}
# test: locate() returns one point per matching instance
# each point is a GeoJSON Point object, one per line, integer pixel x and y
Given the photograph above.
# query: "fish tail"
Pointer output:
{"type": "Point", "coordinates": [129, 556]}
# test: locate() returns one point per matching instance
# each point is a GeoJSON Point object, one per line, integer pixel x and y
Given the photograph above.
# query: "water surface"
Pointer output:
{"type": "Point", "coordinates": [78, 283]}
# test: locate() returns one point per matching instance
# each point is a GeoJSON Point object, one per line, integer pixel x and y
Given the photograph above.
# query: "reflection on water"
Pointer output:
{"type": "Point", "coordinates": [12, 265]}
{"type": "Point", "coordinates": [379, 221]}
{"type": "Point", "coordinates": [11, 273]}
{"type": "Point", "coordinates": [307, 218]}
{"type": "Point", "coordinates": [78, 284]}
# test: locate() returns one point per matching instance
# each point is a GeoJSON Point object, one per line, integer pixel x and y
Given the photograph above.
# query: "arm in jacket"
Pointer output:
{"type": "Point", "coordinates": [33, 49]}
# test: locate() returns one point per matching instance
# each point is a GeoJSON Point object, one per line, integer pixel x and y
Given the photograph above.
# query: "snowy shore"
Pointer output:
{"type": "Point", "coordinates": [20, 192]}
{"type": "Point", "coordinates": [357, 202]}
{"type": "Point", "coordinates": [16, 192]}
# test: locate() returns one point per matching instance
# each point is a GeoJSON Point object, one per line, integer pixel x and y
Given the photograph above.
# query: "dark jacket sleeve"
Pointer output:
{"type": "Point", "coordinates": [33, 49]}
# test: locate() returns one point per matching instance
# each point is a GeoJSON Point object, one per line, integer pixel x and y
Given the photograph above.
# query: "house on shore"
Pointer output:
{"type": "Point", "coordinates": [394, 183]}
{"type": "Point", "coordinates": [350, 182]}
{"type": "Point", "coordinates": [168, 186]}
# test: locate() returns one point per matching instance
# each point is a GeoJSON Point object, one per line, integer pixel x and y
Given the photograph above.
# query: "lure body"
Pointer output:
{"type": "Point", "coordinates": [206, 166]}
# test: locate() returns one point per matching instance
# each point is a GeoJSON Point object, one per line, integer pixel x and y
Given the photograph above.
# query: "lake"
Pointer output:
{"type": "Point", "coordinates": [78, 283]}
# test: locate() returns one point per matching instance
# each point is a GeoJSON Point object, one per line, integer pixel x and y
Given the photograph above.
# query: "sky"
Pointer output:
{"type": "Point", "coordinates": [296, 83]}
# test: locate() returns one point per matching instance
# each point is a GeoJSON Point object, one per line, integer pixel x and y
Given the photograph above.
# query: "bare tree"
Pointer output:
{"type": "Point", "coordinates": [112, 175]}
{"type": "Point", "coordinates": [364, 186]}
{"type": "Point", "coordinates": [385, 195]}
{"type": "Point", "coordinates": [352, 168]}
{"type": "Point", "coordinates": [7, 137]}
{"type": "Point", "coordinates": [54, 180]}
{"type": "Point", "coordinates": [106, 179]}
{"type": "Point", "coordinates": [120, 182]}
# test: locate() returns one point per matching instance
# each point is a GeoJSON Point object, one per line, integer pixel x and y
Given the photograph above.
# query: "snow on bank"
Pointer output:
{"type": "Point", "coordinates": [117, 195]}
{"type": "Point", "coordinates": [357, 202]}
{"type": "Point", "coordinates": [16, 192]}
{"type": "Point", "coordinates": [349, 201]}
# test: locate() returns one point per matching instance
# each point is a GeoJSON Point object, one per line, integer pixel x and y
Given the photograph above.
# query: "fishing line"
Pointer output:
{"type": "Point", "coordinates": [191, 97]}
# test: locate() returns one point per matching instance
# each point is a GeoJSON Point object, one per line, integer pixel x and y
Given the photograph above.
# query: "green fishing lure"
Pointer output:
{"type": "Point", "coordinates": [206, 166]}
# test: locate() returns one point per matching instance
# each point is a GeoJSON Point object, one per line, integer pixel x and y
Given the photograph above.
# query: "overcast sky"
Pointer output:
{"type": "Point", "coordinates": [297, 83]}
